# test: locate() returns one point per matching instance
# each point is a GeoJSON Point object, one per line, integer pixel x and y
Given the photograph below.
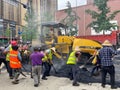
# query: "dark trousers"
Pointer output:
{"type": "Point", "coordinates": [2, 60]}
{"type": "Point", "coordinates": [111, 71]}
{"type": "Point", "coordinates": [47, 68]}
{"type": "Point", "coordinates": [73, 73]}
{"type": "Point", "coordinates": [10, 70]}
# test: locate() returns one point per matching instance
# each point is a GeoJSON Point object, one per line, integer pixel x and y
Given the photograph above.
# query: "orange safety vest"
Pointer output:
{"type": "Point", "coordinates": [14, 61]}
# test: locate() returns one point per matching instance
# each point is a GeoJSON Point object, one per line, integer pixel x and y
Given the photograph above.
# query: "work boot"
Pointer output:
{"type": "Point", "coordinates": [48, 75]}
{"type": "Point", "coordinates": [113, 87]}
{"type": "Point", "coordinates": [75, 84]}
{"type": "Point", "coordinates": [15, 82]}
{"type": "Point", "coordinates": [44, 78]}
{"type": "Point", "coordinates": [35, 85]}
{"type": "Point", "coordinates": [70, 77]}
{"type": "Point", "coordinates": [103, 86]}
{"type": "Point", "coordinates": [11, 77]}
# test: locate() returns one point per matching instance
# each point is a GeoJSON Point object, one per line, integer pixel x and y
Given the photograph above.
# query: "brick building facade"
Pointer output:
{"type": "Point", "coordinates": [85, 19]}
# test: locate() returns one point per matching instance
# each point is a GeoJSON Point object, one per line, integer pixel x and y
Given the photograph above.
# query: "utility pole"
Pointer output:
{"type": "Point", "coordinates": [76, 19]}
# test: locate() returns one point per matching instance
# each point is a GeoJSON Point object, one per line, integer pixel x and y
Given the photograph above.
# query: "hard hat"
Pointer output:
{"type": "Point", "coordinates": [13, 43]}
{"type": "Point", "coordinates": [77, 48]}
{"type": "Point", "coordinates": [53, 49]}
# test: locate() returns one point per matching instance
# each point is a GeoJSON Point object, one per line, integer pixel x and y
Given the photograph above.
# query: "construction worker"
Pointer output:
{"type": "Point", "coordinates": [73, 68]}
{"type": "Point", "coordinates": [96, 62]}
{"type": "Point", "coordinates": [6, 51]}
{"type": "Point", "coordinates": [36, 60]}
{"type": "Point", "coordinates": [15, 63]}
{"type": "Point", "coordinates": [107, 66]}
{"type": "Point", "coordinates": [47, 62]}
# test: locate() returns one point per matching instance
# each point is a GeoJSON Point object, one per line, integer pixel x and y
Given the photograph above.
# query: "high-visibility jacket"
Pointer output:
{"type": "Point", "coordinates": [7, 56]}
{"type": "Point", "coordinates": [50, 55]}
{"type": "Point", "coordinates": [45, 59]}
{"type": "Point", "coordinates": [72, 58]}
{"type": "Point", "coordinates": [96, 59]}
{"type": "Point", "coordinates": [14, 61]}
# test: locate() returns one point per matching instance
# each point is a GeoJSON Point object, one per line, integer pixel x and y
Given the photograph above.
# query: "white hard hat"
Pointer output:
{"type": "Point", "coordinates": [53, 48]}
{"type": "Point", "coordinates": [77, 48]}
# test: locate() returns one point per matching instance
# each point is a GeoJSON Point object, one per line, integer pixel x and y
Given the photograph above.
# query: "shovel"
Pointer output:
{"type": "Point", "coordinates": [54, 69]}
{"type": "Point", "coordinates": [83, 66]}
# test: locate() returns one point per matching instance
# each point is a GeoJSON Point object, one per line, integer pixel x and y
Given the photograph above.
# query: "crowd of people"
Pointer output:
{"type": "Point", "coordinates": [12, 57]}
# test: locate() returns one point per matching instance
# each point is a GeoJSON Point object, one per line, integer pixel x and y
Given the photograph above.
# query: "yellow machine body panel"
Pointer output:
{"type": "Point", "coordinates": [65, 43]}
{"type": "Point", "coordinates": [86, 45]}
{"type": "Point", "coordinates": [65, 39]}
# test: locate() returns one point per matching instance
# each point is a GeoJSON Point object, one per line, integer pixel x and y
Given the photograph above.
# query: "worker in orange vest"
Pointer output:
{"type": "Point", "coordinates": [15, 63]}
{"type": "Point", "coordinates": [6, 51]}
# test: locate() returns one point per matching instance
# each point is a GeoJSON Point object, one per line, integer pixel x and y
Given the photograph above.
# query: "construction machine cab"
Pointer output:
{"type": "Point", "coordinates": [50, 31]}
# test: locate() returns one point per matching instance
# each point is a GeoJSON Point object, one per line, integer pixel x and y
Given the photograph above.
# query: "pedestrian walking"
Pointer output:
{"type": "Point", "coordinates": [72, 65]}
{"type": "Point", "coordinates": [36, 61]}
{"type": "Point", "coordinates": [105, 54]}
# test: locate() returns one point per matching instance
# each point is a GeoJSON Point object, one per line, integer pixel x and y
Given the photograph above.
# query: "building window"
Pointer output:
{"type": "Point", "coordinates": [1, 27]}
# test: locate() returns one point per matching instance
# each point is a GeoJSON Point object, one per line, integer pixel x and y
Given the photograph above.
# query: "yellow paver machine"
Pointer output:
{"type": "Point", "coordinates": [55, 35]}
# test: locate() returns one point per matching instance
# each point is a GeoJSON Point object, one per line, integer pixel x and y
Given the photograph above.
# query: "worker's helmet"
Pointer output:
{"type": "Point", "coordinates": [13, 43]}
{"type": "Point", "coordinates": [53, 49]}
{"type": "Point", "coordinates": [77, 48]}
